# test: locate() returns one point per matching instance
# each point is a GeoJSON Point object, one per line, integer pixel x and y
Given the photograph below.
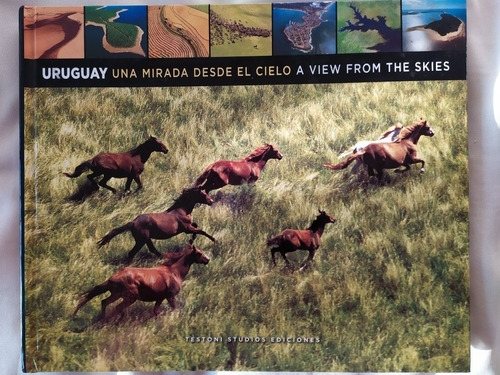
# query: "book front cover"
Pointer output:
{"type": "Point", "coordinates": [245, 187]}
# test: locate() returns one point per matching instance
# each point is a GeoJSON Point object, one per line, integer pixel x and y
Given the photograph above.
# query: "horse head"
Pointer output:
{"type": "Point", "coordinates": [198, 195]}
{"type": "Point", "coordinates": [427, 130]}
{"type": "Point", "coordinates": [199, 256]}
{"type": "Point", "coordinates": [325, 218]}
{"type": "Point", "coordinates": [154, 144]}
{"type": "Point", "coordinates": [272, 152]}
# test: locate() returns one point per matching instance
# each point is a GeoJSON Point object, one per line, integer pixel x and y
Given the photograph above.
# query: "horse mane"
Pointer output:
{"type": "Point", "coordinates": [315, 224]}
{"type": "Point", "coordinates": [139, 149]}
{"type": "Point", "coordinates": [408, 130]}
{"type": "Point", "coordinates": [257, 153]}
{"type": "Point", "coordinates": [181, 197]}
{"type": "Point", "coordinates": [173, 258]}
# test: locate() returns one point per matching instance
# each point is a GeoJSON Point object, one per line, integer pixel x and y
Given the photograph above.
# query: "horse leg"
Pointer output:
{"type": "Point", "coordinates": [127, 301]}
{"type": "Point", "coordinates": [152, 247]}
{"type": "Point", "coordinates": [274, 250]}
{"type": "Point", "coordinates": [138, 245]}
{"type": "Point", "coordinates": [137, 180]}
{"type": "Point", "coordinates": [283, 252]}
{"type": "Point", "coordinates": [356, 166]}
{"type": "Point", "coordinates": [157, 308]}
{"type": "Point", "coordinates": [104, 184]}
{"type": "Point", "coordinates": [128, 183]}
{"type": "Point", "coordinates": [308, 260]}
{"type": "Point", "coordinates": [105, 302]}
{"type": "Point", "coordinates": [380, 174]}
{"type": "Point", "coordinates": [173, 304]}
{"type": "Point", "coordinates": [422, 164]}
{"type": "Point", "coordinates": [91, 177]}
{"type": "Point", "coordinates": [194, 231]}
{"type": "Point", "coordinates": [407, 168]}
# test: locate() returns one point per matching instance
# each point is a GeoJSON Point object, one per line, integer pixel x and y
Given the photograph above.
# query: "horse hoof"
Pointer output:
{"type": "Point", "coordinates": [422, 170]}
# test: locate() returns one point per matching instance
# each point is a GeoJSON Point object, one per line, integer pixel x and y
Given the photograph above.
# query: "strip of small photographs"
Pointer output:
{"type": "Point", "coordinates": [278, 29]}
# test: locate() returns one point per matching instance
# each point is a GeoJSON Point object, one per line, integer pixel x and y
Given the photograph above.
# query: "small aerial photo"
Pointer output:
{"type": "Point", "coordinates": [434, 25]}
{"type": "Point", "coordinates": [304, 28]}
{"type": "Point", "coordinates": [115, 31]}
{"type": "Point", "coordinates": [368, 26]}
{"type": "Point", "coordinates": [241, 30]}
{"type": "Point", "coordinates": [178, 31]}
{"type": "Point", "coordinates": [53, 32]}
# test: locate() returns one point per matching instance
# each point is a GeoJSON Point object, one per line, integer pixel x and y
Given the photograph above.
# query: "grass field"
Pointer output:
{"type": "Point", "coordinates": [388, 290]}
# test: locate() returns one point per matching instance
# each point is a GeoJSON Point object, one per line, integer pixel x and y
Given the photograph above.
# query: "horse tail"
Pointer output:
{"type": "Point", "coordinates": [344, 164]}
{"type": "Point", "coordinates": [113, 233]}
{"type": "Point", "coordinates": [203, 176]}
{"type": "Point", "coordinates": [89, 294]}
{"type": "Point", "coordinates": [274, 241]}
{"type": "Point", "coordinates": [85, 166]}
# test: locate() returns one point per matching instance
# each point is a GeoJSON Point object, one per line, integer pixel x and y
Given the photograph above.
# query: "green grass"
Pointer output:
{"type": "Point", "coordinates": [388, 290]}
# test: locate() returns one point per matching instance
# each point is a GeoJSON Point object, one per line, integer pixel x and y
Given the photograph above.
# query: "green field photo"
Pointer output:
{"type": "Point", "coordinates": [387, 291]}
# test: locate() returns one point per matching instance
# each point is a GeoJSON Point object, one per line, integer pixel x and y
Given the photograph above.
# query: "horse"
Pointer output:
{"type": "Point", "coordinates": [300, 239]}
{"type": "Point", "coordinates": [146, 284]}
{"type": "Point", "coordinates": [129, 164]}
{"type": "Point", "coordinates": [247, 170]}
{"type": "Point", "coordinates": [163, 225]}
{"type": "Point", "coordinates": [380, 156]}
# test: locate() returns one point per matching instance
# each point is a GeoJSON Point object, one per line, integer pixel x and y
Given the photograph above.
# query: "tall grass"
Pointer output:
{"type": "Point", "coordinates": [388, 290]}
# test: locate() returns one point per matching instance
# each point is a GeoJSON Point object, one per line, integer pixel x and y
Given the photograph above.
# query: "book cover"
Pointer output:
{"type": "Point", "coordinates": [245, 187]}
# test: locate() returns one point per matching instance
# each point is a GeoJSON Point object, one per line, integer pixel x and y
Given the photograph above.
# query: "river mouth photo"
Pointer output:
{"type": "Point", "coordinates": [429, 28]}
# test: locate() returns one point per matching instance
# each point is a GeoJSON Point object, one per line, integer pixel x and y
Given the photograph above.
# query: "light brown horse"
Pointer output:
{"type": "Point", "coordinates": [163, 225]}
{"type": "Point", "coordinates": [247, 170]}
{"type": "Point", "coordinates": [380, 156]}
{"type": "Point", "coordinates": [127, 165]}
{"type": "Point", "coordinates": [300, 239]}
{"type": "Point", "coordinates": [146, 284]}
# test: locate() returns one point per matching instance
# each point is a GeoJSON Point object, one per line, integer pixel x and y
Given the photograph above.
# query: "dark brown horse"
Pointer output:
{"type": "Point", "coordinates": [300, 239]}
{"type": "Point", "coordinates": [247, 170]}
{"type": "Point", "coordinates": [402, 152]}
{"type": "Point", "coordinates": [163, 225]}
{"type": "Point", "coordinates": [146, 284]}
{"type": "Point", "coordinates": [127, 165]}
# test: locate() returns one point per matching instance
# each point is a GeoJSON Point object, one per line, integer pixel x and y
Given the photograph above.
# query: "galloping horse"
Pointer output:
{"type": "Point", "coordinates": [380, 156]}
{"type": "Point", "coordinates": [146, 284]}
{"type": "Point", "coordinates": [247, 170]}
{"type": "Point", "coordinates": [163, 225]}
{"type": "Point", "coordinates": [306, 239]}
{"type": "Point", "coordinates": [127, 165]}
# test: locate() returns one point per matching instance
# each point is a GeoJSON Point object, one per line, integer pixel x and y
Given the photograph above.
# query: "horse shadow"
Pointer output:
{"type": "Point", "coordinates": [87, 189]}
{"type": "Point", "coordinates": [238, 201]}
{"type": "Point", "coordinates": [84, 191]}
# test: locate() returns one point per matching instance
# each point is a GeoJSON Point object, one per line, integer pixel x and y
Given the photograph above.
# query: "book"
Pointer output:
{"type": "Point", "coordinates": [245, 187]}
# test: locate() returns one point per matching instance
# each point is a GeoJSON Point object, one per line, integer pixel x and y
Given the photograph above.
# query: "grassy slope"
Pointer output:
{"type": "Point", "coordinates": [388, 290]}
{"type": "Point", "coordinates": [257, 15]}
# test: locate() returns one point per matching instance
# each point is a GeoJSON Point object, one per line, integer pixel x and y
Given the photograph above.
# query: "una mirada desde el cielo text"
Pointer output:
{"type": "Point", "coordinates": [102, 73]}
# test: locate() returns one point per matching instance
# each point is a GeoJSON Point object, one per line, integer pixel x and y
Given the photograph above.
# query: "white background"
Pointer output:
{"type": "Point", "coordinates": [483, 27]}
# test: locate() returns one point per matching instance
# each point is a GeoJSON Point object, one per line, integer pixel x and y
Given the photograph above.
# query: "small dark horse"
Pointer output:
{"type": "Point", "coordinates": [127, 165]}
{"type": "Point", "coordinates": [380, 156]}
{"type": "Point", "coordinates": [146, 284]}
{"type": "Point", "coordinates": [247, 170]}
{"type": "Point", "coordinates": [304, 239]}
{"type": "Point", "coordinates": [163, 225]}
